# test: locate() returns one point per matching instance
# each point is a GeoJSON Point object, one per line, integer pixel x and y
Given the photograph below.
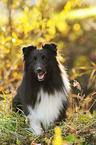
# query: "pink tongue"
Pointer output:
{"type": "Point", "coordinates": [40, 76]}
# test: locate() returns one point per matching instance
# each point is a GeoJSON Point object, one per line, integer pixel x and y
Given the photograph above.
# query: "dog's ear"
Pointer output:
{"type": "Point", "coordinates": [51, 46]}
{"type": "Point", "coordinates": [26, 50]}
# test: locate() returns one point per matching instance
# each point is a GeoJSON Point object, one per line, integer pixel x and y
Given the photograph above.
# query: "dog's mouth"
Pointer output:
{"type": "Point", "coordinates": [41, 76]}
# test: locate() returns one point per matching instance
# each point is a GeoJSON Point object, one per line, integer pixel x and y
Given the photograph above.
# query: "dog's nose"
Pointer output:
{"type": "Point", "coordinates": [39, 69]}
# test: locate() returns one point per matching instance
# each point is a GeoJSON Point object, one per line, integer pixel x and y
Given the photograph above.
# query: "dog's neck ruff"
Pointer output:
{"type": "Point", "coordinates": [46, 109]}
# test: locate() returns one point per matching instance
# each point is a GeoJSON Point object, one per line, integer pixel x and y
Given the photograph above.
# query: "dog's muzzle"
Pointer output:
{"type": "Point", "coordinates": [40, 73]}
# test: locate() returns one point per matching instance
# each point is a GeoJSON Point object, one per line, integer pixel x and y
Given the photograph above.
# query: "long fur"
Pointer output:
{"type": "Point", "coordinates": [43, 101]}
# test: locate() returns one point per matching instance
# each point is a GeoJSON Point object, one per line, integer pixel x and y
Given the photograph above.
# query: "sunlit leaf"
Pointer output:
{"type": "Point", "coordinates": [62, 26]}
{"type": "Point", "coordinates": [14, 74]}
{"type": "Point", "coordinates": [76, 26]}
{"type": "Point", "coordinates": [67, 6]}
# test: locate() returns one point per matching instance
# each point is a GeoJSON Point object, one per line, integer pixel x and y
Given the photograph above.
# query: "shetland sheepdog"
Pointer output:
{"type": "Point", "coordinates": [45, 89]}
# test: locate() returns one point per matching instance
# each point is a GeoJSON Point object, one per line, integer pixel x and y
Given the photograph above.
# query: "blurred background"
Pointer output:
{"type": "Point", "coordinates": [69, 23]}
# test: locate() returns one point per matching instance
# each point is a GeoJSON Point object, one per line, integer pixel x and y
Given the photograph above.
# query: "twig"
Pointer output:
{"type": "Point", "coordinates": [92, 105]}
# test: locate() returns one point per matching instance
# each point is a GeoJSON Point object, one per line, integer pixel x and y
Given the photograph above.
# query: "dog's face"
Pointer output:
{"type": "Point", "coordinates": [39, 61]}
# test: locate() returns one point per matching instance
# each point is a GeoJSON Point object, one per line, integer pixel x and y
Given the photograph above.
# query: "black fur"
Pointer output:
{"type": "Point", "coordinates": [39, 63]}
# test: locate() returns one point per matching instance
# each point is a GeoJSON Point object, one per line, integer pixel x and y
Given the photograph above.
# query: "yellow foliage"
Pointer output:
{"type": "Point", "coordinates": [67, 6]}
{"type": "Point", "coordinates": [57, 138]}
{"type": "Point", "coordinates": [14, 35]}
{"type": "Point", "coordinates": [35, 10]}
{"type": "Point", "coordinates": [26, 120]}
{"type": "Point", "coordinates": [62, 26]}
{"type": "Point", "coordinates": [77, 109]}
{"type": "Point", "coordinates": [76, 27]}
{"type": "Point", "coordinates": [38, 4]}
{"type": "Point", "coordinates": [6, 51]}
{"type": "Point", "coordinates": [91, 19]}
{"type": "Point", "coordinates": [61, 59]}
{"type": "Point", "coordinates": [14, 74]}
{"type": "Point", "coordinates": [8, 65]}
{"type": "Point", "coordinates": [57, 130]}
{"type": "Point", "coordinates": [71, 4]}
{"type": "Point", "coordinates": [15, 66]}
{"type": "Point", "coordinates": [51, 31]}
{"type": "Point", "coordinates": [43, 24]}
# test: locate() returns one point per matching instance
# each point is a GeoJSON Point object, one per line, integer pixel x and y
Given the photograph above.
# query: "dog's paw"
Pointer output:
{"type": "Point", "coordinates": [36, 131]}
{"type": "Point", "coordinates": [35, 128]}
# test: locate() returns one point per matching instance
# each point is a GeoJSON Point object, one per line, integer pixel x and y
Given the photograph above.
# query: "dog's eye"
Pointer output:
{"type": "Point", "coordinates": [43, 57]}
{"type": "Point", "coordinates": [34, 58]}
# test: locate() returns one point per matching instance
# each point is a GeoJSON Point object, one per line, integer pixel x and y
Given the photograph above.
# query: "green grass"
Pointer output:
{"type": "Point", "coordinates": [79, 129]}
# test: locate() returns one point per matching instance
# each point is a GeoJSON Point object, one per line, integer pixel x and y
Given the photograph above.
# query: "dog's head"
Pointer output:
{"type": "Point", "coordinates": [40, 61]}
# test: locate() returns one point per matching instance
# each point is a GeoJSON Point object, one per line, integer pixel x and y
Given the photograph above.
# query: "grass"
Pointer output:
{"type": "Point", "coordinates": [13, 130]}
{"type": "Point", "coordinates": [79, 128]}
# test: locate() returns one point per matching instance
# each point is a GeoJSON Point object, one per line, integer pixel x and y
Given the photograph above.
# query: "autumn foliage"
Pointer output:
{"type": "Point", "coordinates": [72, 25]}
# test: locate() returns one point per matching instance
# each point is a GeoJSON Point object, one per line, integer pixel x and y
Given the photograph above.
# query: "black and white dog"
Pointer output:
{"type": "Point", "coordinates": [44, 91]}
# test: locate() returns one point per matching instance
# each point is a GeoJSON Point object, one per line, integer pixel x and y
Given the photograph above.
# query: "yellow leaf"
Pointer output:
{"type": "Point", "coordinates": [76, 109]}
{"type": "Point", "coordinates": [6, 50]}
{"type": "Point", "coordinates": [26, 121]}
{"type": "Point", "coordinates": [62, 26]}
{"type": "Point", "coordinates": [14, 35]}
{"type": "Point", "coordinates": [8, 65]}
{"type": "Point", "coordinates": [14, 74]}
{"type": "Point", "coordinates": [67, 6]}
{"type": "Point", "coordinates": [76, 27]}
{"type": "Point", "coordinates": [57, 130]}
{"type": "Point", "coordinates": [57, 138]}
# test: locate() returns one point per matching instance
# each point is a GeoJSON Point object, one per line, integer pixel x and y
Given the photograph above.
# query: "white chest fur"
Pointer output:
{"type": "Point", "coordinates": [46, 111]}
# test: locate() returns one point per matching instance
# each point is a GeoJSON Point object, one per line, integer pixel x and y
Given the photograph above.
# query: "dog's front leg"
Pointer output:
{"type": "Point", "coordinates": [35, 127]}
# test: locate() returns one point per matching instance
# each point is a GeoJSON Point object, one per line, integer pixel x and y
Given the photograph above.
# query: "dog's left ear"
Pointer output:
{"type": "Point", "coordinates": [51, 46]}
{"type": "Point", "coordinates": [26, 50]}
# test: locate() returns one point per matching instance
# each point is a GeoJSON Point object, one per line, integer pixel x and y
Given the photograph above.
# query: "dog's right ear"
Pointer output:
{"type": "Point", "coordinates": [51, 46]}
{"type": "Point", "coordinates": [26, 50]}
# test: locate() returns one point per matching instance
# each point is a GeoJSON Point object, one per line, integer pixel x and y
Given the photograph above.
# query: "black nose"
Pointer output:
{"type": "Point", "coordinates": [39, 69]}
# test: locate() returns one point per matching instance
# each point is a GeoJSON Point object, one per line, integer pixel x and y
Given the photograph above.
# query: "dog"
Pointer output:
{"type": "Point", "coordinates": [45, 89]}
